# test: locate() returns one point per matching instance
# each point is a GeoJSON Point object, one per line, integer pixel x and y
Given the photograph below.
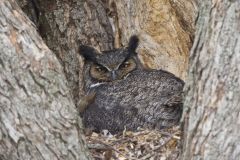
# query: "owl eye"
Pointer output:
{"type": "Point", "coordinates": [125, 64]}
{"type": "Point", "coordinates": [100, 69]}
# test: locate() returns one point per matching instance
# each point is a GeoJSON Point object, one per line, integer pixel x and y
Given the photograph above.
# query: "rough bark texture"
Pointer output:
{"type": "Point", "coordinates": [212, 120]}
{"type": "Point", "coordinates": [165, 28]}
{"type": "Point", "coordinates": [38, 119]}
{"type": "Point", "coordinates": [64, 25]}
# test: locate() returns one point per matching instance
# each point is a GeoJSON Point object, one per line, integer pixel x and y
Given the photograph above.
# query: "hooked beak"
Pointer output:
{"type": "Point", "coordinates": [114, 75]}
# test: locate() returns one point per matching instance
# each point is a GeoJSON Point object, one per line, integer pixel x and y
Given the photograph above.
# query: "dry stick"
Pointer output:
{"type": "Point", "coordinates": [161, 132]}
{"type": "Point", "coordinates": [169, 134]}
{"type": "Point", "coordinates": [112, 148]}
{"type": "Point", "coordinates": [96, 156]}
{"type": "Point", "coordinates": [98, 146]}
{"type": "Point", "coordinates": [157, 148]}
{"type": "Point", "coordinates": [121, 141]}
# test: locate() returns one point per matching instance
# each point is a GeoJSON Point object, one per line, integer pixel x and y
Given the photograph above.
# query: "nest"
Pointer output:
{"type": "Point", "coordinates": [139, 145]}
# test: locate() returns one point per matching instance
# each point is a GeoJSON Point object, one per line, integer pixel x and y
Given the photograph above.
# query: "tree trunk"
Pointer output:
{"type": "Point", "coordinates": [38, 119]}
{"type": "Point", "coordinates": [212, 119]}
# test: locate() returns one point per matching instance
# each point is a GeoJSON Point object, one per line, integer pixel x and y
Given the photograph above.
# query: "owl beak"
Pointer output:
{"type": "Point", "coordinates": [114, 75]}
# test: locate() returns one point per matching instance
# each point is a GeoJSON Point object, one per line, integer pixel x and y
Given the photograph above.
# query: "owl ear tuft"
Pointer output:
{"type": "Point", "coordinates": [133, 43]}
{"type": "Point", "coordinates": [89, 53]}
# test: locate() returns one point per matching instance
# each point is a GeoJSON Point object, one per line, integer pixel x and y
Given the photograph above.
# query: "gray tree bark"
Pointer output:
{"type": "Point", "coordinates": [212, 117]}
{"type": "Point", "coordinates": [64, 25]}
{"type": "Point", "coordinates": [38, 118]}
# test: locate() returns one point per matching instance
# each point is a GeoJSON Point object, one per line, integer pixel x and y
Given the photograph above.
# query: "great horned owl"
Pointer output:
{"type": "Point", "coordinates": [126, 94]}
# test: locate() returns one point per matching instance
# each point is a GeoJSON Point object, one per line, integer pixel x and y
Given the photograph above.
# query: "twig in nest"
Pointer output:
{"type": "Point", "coordinates": [112, 148]}
{"type": "Point", "coordinates": [98, 146]}
{"type": "Point", "coordinates": [158, 147]}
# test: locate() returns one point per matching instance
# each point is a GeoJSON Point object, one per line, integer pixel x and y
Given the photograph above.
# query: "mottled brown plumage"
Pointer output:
{"type": "Point", "coordinates": [128, 95]}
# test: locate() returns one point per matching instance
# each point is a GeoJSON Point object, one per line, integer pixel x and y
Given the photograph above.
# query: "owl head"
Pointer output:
{"type": "Point", "coordinates": [111, 65]}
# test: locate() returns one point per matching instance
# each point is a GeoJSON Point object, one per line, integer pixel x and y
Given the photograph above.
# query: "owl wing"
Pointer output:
{"type": "Point", "coordinates": [85, 101]}
{"type": "Point", "coordinates": [174, 100]}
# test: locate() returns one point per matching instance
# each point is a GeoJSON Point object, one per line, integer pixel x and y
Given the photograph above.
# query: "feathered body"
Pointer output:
{"type": "Point", "coordinates": [126, 94]}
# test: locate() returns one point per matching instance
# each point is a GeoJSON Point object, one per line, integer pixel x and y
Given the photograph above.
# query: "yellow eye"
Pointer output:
{"type": "Point", "coordinates": [126, 64]}
{"type": "Point", "coordinates": [100, 69]}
